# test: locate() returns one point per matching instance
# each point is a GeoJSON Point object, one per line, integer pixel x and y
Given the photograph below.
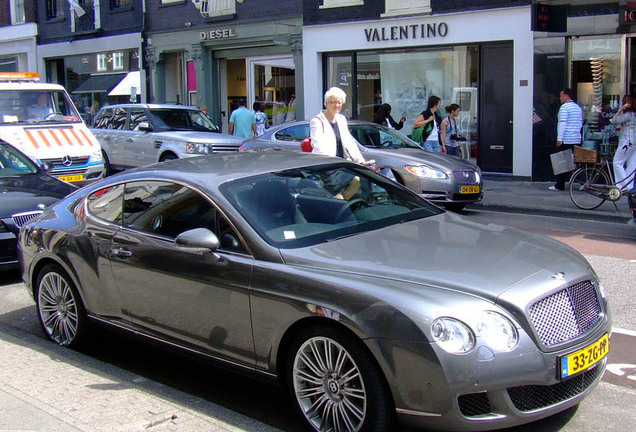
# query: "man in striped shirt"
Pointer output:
{"type": "Point", "coordinates": [569, 130]}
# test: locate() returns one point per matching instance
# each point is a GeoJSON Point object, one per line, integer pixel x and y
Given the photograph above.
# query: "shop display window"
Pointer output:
{"type": "Point", "coordinates": [275, 89]}
{"type": "Point", "coordinates": [598, 81]}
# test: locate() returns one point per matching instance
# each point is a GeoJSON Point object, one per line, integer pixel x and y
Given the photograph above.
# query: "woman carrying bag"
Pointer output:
{"type": "Point", "coordinates": [429, 120]}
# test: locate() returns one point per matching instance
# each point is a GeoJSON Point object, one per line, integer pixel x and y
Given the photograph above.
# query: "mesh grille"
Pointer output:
{"type": "Point", "coordinates": [529, 398]}
{"type": "Point", "coordinates": [566, 314]}
{"type": "Point", "coordinates": [22, 218]}
{"type": "Point", "coordinates": [475, 404]}
{"type": "Point", "coordinates": [468, 177]}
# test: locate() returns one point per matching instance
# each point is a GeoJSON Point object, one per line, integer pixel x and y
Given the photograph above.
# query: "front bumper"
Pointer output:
{"type": "Point", "coordinates": [468, 393]}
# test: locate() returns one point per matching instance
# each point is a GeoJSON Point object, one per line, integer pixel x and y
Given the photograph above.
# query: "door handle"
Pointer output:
{"type": "Point", "coordinates": [119, 252]}
{"type": "Point", "coordinates": [130, 140]}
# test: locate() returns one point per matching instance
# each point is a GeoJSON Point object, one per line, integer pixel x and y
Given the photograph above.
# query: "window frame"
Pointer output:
{"type": "Point", "coordinates": [15, 11]}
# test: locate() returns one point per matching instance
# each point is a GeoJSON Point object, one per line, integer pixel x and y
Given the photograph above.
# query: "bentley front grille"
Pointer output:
{"type": "Point", "coordinates": [566, 314]}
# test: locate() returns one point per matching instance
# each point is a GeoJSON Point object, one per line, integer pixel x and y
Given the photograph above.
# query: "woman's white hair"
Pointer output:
{"type": "Point", "coordinates": [335, 93]}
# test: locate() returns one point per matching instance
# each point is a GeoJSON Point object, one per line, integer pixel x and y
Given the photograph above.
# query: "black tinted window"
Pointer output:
{"type": "Point", "coordinates": [169, 209]}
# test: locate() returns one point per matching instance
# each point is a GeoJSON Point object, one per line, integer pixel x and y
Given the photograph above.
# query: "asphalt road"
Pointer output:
{"type": "Point", "coordinates": [608, 408]}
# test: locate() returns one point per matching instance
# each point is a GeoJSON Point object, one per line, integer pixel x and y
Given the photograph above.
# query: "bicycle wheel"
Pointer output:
{"type": "Point", "coordinates": [588, 187]}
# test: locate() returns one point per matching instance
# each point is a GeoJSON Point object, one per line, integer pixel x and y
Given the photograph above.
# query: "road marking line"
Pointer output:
{"type": "Point", "coordinates": [624, 331]}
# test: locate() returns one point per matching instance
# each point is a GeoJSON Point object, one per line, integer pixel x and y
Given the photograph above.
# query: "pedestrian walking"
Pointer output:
{"type": "Point", "coordinates": [568, 131]}
{"type": "Point", "coordinates": [261, 118]}
{"type": "Point", "coordinates": [449, 133]}
{"type": "Point", "coordinates": [242, 121]}
{"type": "Point", "coordinates": [383, 117]}
{"type": "Point", "coordinates": [624, 161]}
{"type": "Point", "coordinates": [430, 119]}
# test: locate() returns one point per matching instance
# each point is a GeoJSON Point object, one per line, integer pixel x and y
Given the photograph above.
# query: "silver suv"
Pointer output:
{"type": "Point", "coordinates": [134, 135]}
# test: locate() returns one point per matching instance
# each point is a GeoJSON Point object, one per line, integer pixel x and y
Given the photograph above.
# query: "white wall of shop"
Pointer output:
{"type": "Point", "coordinates": [19, 40]}
{"type": "Point", "coordinates": [507, 24]}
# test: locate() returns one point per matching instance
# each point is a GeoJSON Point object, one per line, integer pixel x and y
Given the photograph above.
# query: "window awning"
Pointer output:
{"type": "Point", "coordinates": [132, 79]}
{"type": "Point", "coordinates": [99, 83]}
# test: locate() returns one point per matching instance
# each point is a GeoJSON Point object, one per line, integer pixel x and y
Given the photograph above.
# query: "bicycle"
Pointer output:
{"type": "Point", "coordinates": [592, 185]}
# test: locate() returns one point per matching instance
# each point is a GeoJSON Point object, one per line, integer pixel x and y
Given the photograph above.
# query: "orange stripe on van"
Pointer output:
{"type": "Point", "coordinates": [88, 140]}
{"type": "Point", "coordinates": [78, 138]}
{"type": "Point", "coordinates": [32, 139]}
{"type": "Point", "coordinates": [68, 138]}
{"type": "Point", "coordinates": [46, 141]}
{"type": "Point", "coordinates": [57, 140]}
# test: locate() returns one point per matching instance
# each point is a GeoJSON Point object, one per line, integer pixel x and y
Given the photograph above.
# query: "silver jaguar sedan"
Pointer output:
{"type": "Point", "coordinates": [375, 308]}
{"type": "Point", "coordinates": [446, 180]}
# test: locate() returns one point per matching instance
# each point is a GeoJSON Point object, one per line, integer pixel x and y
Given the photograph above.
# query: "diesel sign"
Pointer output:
{"type": "Point", "coordinates": [217, 34]}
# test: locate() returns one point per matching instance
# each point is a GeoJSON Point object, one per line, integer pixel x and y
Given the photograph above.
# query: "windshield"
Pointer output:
{"type": "Point", "coordinates": [304, 207]}
{"type": "Point", "coordinates": [376, 136]}
{"type": "Point", "coordinates": [36, 106]}
{"type": "Point", "coordinates": [13, 163]}
{"type": "Point", "coordinates": [176, 119]}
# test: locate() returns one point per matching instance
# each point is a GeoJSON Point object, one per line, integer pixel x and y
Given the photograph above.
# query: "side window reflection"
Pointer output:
{"type": "Point", "coordinates": [169, 209]}
{"type": "Point", "coordinates": [106, 203]}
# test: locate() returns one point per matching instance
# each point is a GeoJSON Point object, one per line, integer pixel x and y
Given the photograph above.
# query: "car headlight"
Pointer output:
{"type": "Point", "coordinates": [497, 332]}
{"type": "Point", "coordinates": [97, 156]}
{"type": "Point", "coordinates": [199, 148]}
{"type": "Point", "coordinates": [452, 335]}
{"type": "Point", "coordinates": [424, 171]}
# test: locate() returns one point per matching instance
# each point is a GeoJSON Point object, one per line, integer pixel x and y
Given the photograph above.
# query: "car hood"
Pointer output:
{"type": "Point", "coordinates": [198, 136]}
{"type": "Point", "coordinates": [419, 156]}
{"type": "Point", "coordinates": [445, 251]}
{"type": "Point", "coordinates": [30, 192]}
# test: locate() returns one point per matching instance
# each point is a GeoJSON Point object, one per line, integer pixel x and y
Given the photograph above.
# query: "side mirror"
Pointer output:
{"type": "Point", "coordinates": [46, 166]}
{"type": "Point", "coordinates": [144, 126]}
{"type": "Point", "coordinates": [201, 239]}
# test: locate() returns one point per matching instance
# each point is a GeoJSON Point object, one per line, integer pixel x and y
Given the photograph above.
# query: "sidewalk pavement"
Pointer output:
{"type": "Point", "coordinates": [518, 196]}
{"type": "Point", "coordinates": [47, 388]}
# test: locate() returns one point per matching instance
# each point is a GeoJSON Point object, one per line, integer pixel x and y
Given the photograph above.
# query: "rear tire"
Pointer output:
{"type": "Point", "coordinates": [108, 169]}
{"type": "Point", "coordinates": [587, 187]}
{"type": "Point", "coordinates": [335, 384]}
{"type": "Point", "coordinates": [60, 309]}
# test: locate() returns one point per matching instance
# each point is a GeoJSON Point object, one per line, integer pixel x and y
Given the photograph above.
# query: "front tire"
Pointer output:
{"type": "Point", "coordinates": [588, 187]}
{"type": "Point", "coordinates": [335, 384]}
{"type": "Point", "coordinates": [60, 310]}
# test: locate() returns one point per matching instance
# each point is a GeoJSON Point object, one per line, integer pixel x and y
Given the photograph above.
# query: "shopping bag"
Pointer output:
{"type": "Point", "coordinates": [562, 161]}
{"type": "Point", "coordinates": [416, 134]}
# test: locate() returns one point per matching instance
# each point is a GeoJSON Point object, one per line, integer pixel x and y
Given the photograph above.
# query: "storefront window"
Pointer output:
{"type": "Point", "coordinates": [597, 79]}
{"type": "Point", "coordinates": [340, 74]}
{"type": "Point", "coordinates": [275, 89]}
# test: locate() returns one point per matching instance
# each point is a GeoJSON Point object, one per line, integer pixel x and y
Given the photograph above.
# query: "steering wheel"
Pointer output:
{"type": "Point", "coordinates": [351, 206]}
{"type": "Point", "coordinates": [52, 114]}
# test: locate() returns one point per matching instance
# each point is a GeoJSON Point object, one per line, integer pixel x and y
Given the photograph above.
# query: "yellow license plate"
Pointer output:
{"type": "Point", "coordinates": [72, 178]}
{"type": "Point", "coordinates": [582, 359]}
{"type": "Point", "coordinates": [469, 189]}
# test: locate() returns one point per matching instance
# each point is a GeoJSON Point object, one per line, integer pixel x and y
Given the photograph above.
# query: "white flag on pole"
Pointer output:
{"type": "Point", "coordinates": [79, 11]}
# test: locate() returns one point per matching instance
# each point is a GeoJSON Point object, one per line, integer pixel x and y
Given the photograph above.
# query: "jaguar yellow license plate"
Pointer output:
{"type": "Point", "coordinates": [582, 359]}
{"type": "Point", "coordinates": [72, 178]}
{"type": "Point", "coordinates": [469, 189]}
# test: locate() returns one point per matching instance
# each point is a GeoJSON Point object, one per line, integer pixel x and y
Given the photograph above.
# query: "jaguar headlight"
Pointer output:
{"type": "Point", "coordinates": [497, 332]}
{"type": "Point", "coordinates": [427, 172]}
{"type": "Point", "coordinates": [199, 148]}
{"type": "Point", "coordinates": [452, 335]}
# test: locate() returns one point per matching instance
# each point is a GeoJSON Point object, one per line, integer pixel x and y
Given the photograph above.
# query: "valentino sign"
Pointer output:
{"type": "Point", "coordinates": [411, 31]}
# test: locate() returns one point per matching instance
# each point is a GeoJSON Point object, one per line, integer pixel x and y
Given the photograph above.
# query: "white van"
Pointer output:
{"type": "Point", "coordinates": [41, 120]}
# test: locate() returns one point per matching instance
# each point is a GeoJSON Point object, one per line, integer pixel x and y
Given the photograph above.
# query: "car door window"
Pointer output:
{"type": "Point", "coordinates": [106, 203]}
{"type": "Point", "coordinates": [169, 209]}
{"type": "Point", "coordinates": [137, 116]}
{"type": "Point", "coordinates": [293, 133]}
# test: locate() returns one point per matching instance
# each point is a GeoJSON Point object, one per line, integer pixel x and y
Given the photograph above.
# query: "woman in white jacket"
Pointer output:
{"type": "Point", "coordinates": [330, 136]}
{"type": "Point", "coordinates": [329, 131]}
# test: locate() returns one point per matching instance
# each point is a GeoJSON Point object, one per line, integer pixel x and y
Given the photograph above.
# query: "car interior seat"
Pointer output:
{"type": "Point", "coordinates": [273, 206]}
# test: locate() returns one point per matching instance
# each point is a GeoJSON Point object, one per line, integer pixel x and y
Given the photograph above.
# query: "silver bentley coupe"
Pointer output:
{"type": "Point", "coordinates": [375, 308]}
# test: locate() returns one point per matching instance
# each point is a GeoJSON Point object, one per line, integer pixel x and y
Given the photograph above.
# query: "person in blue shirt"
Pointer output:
{"type": "Point", "coordinates": [242, 121]}
{"type": "Point", "coordinates": [40, 110]}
